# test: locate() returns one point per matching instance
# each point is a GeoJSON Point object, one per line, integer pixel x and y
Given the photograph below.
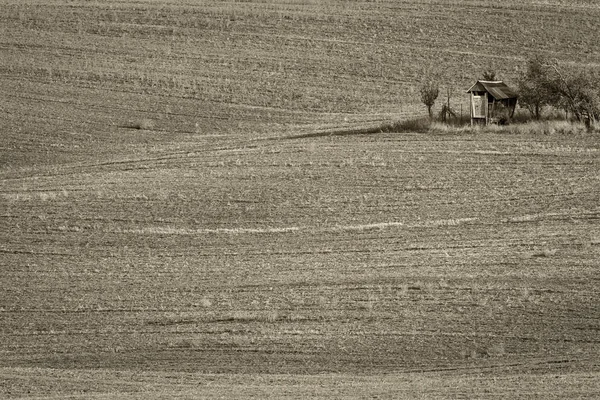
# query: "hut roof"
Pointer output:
{"type": "Point", "coordinates": [498, 89]}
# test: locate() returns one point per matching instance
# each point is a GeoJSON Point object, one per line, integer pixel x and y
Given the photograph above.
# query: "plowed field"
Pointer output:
{"type": "Point", "coordinates": [231, 248]}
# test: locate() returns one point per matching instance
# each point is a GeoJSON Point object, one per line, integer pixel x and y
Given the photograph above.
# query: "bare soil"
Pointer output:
{"type": "Point", "coordinates": [177, 223]}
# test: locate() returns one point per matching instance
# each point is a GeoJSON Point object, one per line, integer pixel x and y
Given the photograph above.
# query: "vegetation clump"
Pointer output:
{"type": "Point", "coordinates": [574, 90]}
{"type": "Point", "coordinates": [429, 94]}
{"type": "Point", "coordinates": [489, 75]}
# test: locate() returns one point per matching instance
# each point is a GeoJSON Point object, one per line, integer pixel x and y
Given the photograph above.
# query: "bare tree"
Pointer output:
{"type": "Point", "coordinates": [429, 94]}
{"type": "Point", "coordinates": [577, 91]}
{"type": "Point", "coordinates": [489, 75]}
{"type": "Point", "coordinates": [547, 83]}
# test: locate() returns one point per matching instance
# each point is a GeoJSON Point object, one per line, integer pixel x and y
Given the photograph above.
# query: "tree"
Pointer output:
{"type": "Point", "coordinates": [576, 91]}
{"type": "Point", "coordinates": [547, 83]}
{"type": "Point", "coordinates": [489, 75]}
{"type": "Point", "coordinates": [535, 88]}
{"type": "Point", "coordinates": [429, 94]}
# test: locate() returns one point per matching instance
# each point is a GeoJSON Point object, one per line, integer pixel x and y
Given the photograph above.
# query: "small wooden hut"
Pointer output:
{"type": "Point", "coordinates": [492, 102]}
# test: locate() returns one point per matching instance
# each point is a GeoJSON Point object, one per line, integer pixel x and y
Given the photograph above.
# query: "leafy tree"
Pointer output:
{"type": "Point", "coordinates": [429, 94]}
{"type": "Point", "coordinates": [535, 87]}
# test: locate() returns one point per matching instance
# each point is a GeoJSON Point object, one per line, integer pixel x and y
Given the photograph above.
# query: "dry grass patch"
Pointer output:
{"type": "Point", "coordinates": [550, 127]}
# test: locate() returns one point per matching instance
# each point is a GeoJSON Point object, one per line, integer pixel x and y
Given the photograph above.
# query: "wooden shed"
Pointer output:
{"type": "Point", "coordinates": [492, 102]}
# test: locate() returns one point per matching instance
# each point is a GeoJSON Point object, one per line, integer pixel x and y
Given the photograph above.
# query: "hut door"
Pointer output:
{"type": "Point", "coordinates": [479, 104]}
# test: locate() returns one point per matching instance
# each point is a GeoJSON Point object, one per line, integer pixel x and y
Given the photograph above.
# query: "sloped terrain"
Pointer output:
{"type": "Point", "coordinates": [176, 223]}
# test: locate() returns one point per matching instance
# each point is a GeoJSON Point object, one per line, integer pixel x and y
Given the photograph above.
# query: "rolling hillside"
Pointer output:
{"type": "Point", "coordinates": [177, 225]}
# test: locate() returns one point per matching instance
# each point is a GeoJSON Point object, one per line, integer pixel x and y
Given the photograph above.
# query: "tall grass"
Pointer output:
{"type": "Point", "coordinates": [421, 124]}
{"type": "Point", "coordinates": [550, 127]}
{"type": "Point", "coordinates": [547, 127]}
